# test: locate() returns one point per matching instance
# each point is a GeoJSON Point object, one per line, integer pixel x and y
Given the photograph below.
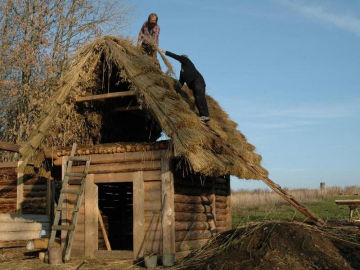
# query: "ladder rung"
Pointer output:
{"type": "Point", "coordinates": [79, 158]}
{"type": "Point", "coordinates": [74, 174]}
{"type": "Point", "coordinates": [63, 227]}
{"type": "Point", "coordinates": [71, 191]}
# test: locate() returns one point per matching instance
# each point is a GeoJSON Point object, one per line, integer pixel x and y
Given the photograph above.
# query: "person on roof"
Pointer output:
{"type": "Point", "coordinates": [149, 35]}
{"type": "Point", "coordinates": [194, 80]}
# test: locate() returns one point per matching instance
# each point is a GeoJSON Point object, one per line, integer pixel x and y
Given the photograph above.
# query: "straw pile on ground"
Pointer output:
{"type": "Point", "coordinates": [207, 153]}
{"type": "Point", "coordinates": [278, 245]}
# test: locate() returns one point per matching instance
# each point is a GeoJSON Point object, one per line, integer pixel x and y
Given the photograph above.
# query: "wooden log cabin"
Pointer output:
{"type": "Point", "coordinates": [144, 205]}
{"type": "Point", "coordinates": [159, 179]}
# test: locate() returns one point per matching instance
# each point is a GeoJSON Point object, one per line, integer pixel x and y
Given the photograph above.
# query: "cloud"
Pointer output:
{"type": "Point", "coordinates": [346, 22]}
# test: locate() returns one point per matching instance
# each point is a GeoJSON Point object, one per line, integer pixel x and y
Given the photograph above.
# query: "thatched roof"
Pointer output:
{"type": "Point", "coordinates": [205, 148]}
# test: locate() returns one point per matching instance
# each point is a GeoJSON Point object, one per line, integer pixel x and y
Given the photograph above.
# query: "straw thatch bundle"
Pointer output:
{"type": "Point", "coordinates": [196, 143]}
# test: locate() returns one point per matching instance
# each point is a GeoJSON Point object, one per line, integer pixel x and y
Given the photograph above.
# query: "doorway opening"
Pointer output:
{"type": "Point", "coordinates": [116, 208]}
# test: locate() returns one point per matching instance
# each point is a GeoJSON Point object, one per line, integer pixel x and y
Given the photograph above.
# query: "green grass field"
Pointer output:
{"type": "Point", "coordinates": [326, 209]}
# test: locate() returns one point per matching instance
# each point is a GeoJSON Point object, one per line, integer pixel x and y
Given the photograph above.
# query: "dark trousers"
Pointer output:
{"type": "Point", "coordinates": [198, 88]}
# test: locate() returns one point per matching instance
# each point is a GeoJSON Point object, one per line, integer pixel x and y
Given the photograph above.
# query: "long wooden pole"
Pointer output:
{"type": "Point", "coordinates": [103, 230]}
{"type": "Point", "coordinates": [275, 187]}
{"type": "Point", "coordinates": [6, 146]}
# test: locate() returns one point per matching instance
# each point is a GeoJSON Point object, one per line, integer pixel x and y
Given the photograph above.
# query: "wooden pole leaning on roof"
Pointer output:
{"type": "Point", "coordinates": [275, 187]}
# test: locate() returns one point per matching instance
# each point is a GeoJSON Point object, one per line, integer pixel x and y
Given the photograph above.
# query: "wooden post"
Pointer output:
{"type": "Point", "coordinates": [19, 190]}
{"type": "Point", "coordinates": [91, 216]}
{"type": "Point", "coordinates": [48, 196]}
{"type": "Point", "coordinates": [138, 214]}
{"type": "Point", "coordinates": [228, 204]}
{"type": "Point", "coordinates": [103, 230]}
{"type": "Point", "coordinates": [167, 197]}
{"type": "Point", "coordinates": [63, 212]}
{"type": "Point", "coordinates": [212, 222]}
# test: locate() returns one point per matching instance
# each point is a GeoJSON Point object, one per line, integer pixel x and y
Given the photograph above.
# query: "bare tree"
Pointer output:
{"type": "Point", "coordinates": [36, 39]}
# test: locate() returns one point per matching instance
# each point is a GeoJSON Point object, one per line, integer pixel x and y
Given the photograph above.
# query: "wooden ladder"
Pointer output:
{"type": "Point", "coordinates": [70, 228]}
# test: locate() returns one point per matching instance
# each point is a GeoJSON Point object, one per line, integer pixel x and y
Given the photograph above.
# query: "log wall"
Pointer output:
{"type": "Point", "coordinates": [34, 195]}
{"type": "Point", "coordinates": [16, 230]}
{"type": "Point", "coordinates": [201, 209]}
{"type": "Point", "coordinates": [33, 192]}
{"type": "Point", "coordinates": [8, 191]}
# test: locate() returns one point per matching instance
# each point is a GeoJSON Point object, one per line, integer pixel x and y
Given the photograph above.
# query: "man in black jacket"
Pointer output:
{"type": "Point", "coordinates": [195, 81]}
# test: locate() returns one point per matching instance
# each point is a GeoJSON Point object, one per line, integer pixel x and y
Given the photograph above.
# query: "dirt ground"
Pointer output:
{"type": "Point", "coordinates": [280, 246]}
{"type": "Point", "coordinates": [21, 259]}
{"type": "Point", "coordinates": [269, 245]}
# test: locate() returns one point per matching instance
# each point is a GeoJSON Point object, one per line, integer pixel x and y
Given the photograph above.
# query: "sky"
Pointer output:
{"type": "Point", "coordinates": [286, 71]}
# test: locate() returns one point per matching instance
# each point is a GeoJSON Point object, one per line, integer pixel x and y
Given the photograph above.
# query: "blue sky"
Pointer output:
{"type": "Point", "coordinates": [286, 71]}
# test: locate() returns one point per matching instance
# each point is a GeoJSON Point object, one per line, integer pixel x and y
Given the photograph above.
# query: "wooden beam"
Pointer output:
{"type": "Point", "coordinates": [19, 190]}
{"type": "Point", "coordinates": [125, 177]}
{"type": "Point", "coordinates": [138, 214]}
{"type": "Point", "coordinates": [9, 164]}
{"type": "Point", "coordinates": [9, 147]}
{"type": "Point", "coordinates": [168, 209]}
{"type": "Point", "coordinates": [63, 234]}
{"type": "Point", "coordinates": [7, 244]}
{"type": "Point", "coordinates": [104, 233]}
{"type": "Point", "coordinates": [120, 157]}
{"type": "Point", "coordinates": [15, 148]}
{"type": "Point", "coordinates": [91, 217]}
{"type": "Point", "coordinates": [106, 96]}
{"type": "Point", "coordinates": [121, 167]}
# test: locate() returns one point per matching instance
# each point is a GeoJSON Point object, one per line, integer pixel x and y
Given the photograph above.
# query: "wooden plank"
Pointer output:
{"type": "Point", "coordinates": [204, 200]}
{"type": "Point", "coordinates": [21, 226]}
{"type": "Point", "coordinates": [121, 167]}
{"type": "Point", "coordinates": [120, 157]}
{"type": "Point", "coordinates": [167, 196]}
{"type": "Point", "coordinates": [9, 146]}
{"type": "Point", "coordinates": [9, 164]}
{"type": "Point", "coordinates": [153, 186]}
{"type": "Point", "coordinates": [125, 177]}
{"type": "Point", "coordinates": [191, 225]}
{"type": "Point", "coordinates": [19, 190]}
{"type": "Point", "coordinates": [18, 236]}
{"type": "Point", "coordinates": [193, 208]}
{"type": "Point", "coordinates": [91, 216]}
{"type": "Point", "coordinates": [8, 244]}
{"type": "Point", "coordinates": [180, 216]}
{"type": "Point", "coordinates": [104, 233]}
{"type": "Point", "coordinates": [348, 202]}
{"type": "Point", "coordinates": [63, 234]}
{"type": "Point", "coordinates": [106, 96]}
{"type": "Point", "coordinates": [24, 218]}
{"type": "Point", "coordinates": [138, 214]}
{"type": "Point", "coordinates": [151, 196]}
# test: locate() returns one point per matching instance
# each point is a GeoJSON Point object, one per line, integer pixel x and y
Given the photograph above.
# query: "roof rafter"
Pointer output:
{"type": "Point", "coordinates": [106, 96]}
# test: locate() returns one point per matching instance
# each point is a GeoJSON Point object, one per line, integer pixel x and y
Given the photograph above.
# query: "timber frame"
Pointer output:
{"type": "Point", "coordinates": [171, 215]}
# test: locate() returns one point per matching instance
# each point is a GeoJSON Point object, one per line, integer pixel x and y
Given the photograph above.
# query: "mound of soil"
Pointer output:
{"type": "Point", "coordinates": [280, 246]}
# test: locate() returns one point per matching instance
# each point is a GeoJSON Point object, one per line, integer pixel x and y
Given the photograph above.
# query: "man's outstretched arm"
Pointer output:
{"type": "Point", "coordinates": [175, 56]}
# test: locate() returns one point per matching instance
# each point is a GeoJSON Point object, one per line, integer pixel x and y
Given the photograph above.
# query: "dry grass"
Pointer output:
{"type": "Point", "coordinates": [206, 149]}
{"type": "Point", "coordinates": [245, 199]}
